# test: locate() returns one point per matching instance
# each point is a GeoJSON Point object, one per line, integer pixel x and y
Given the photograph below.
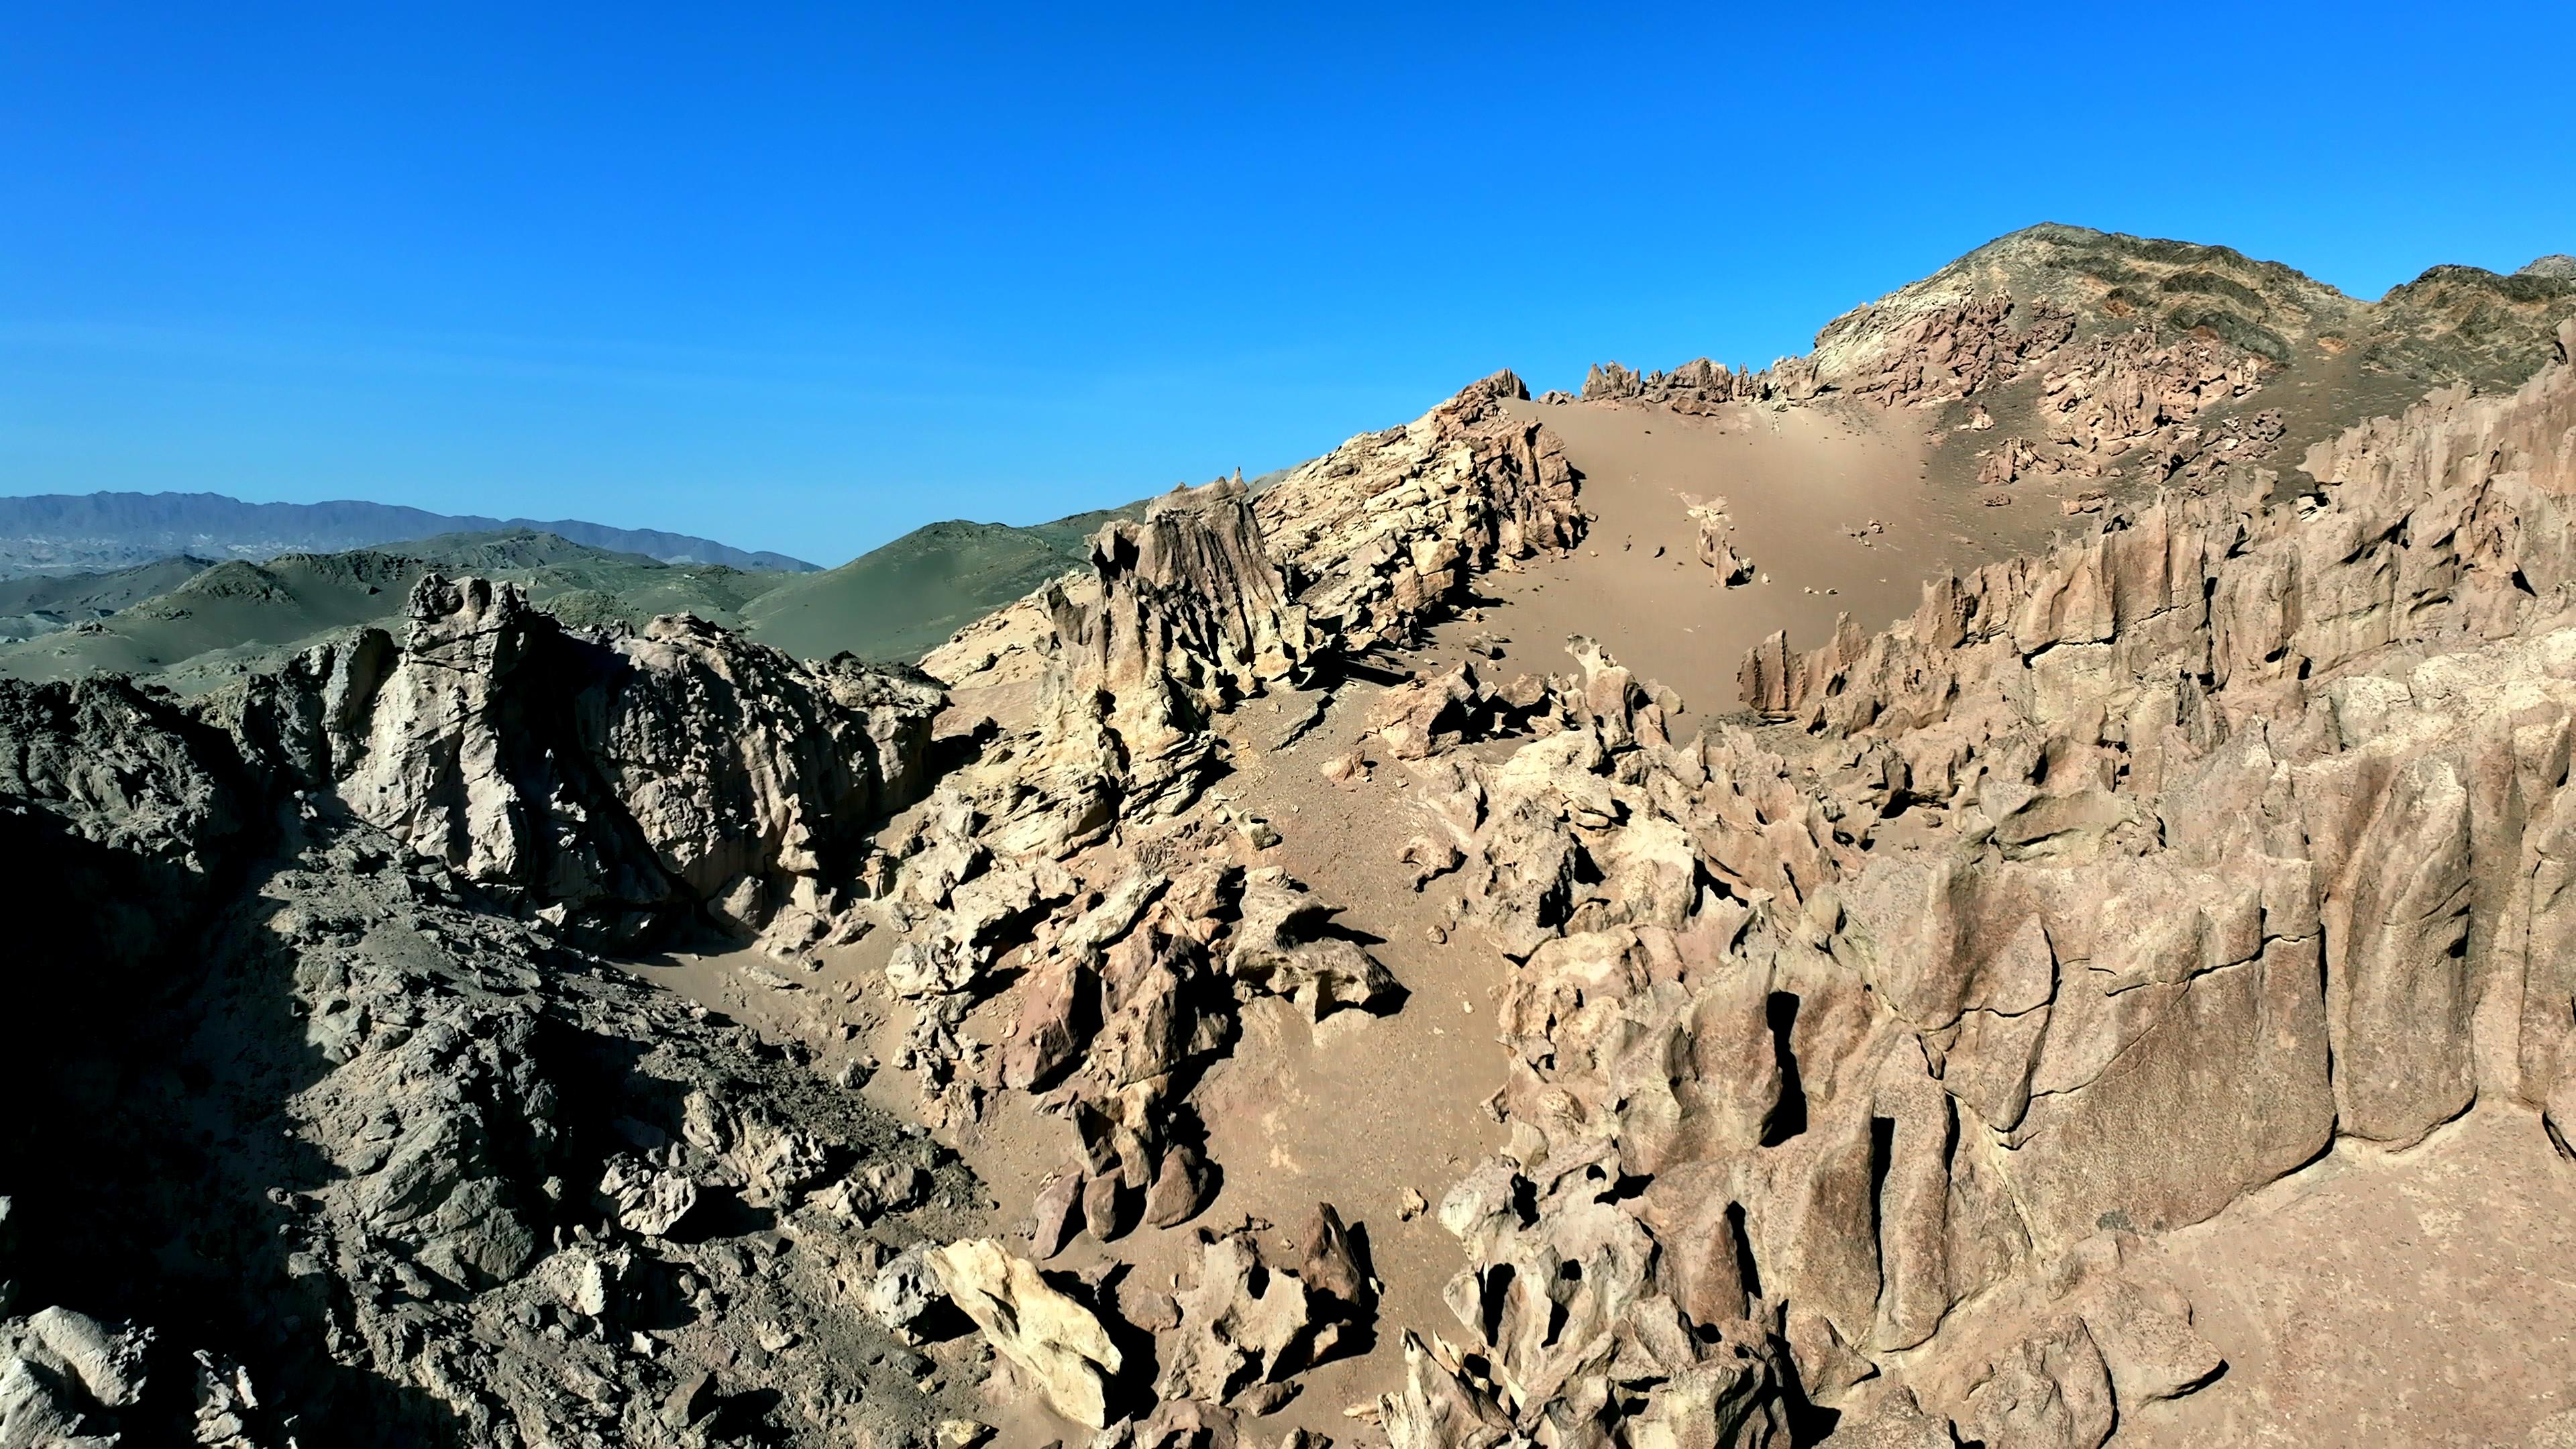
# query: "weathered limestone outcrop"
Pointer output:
{"type": "Point", "coordinates": [1943, 354]}
{"type": "Point", "coordinates": [1192, 616]}
{"type": "Point", "coordinates": [2104, 397]}
{"type": "Point", "coordinates": [1382, 533]}
{"type": "Point", "coordinates": [455, 1149]}
{"type": "Point", "coordinates": [1428, 716]}
{"type": "Point", "coordinates": [2115, 885]}
{"type": "Point", "coordinates": [1701, 386]}
{"type": "Point", "coordinates": [617, 784]}
{"type": "Point", "coordinates": [1138, 957]}
{"type": "Point", "coordinates": [1939, 354]}
{"type": "Point", "coordinates": [1048, 1335]}
{"type": "Point", "coordinates": [1247, 1327]}
{"type": "Point", "coordinates": [1370, 541]}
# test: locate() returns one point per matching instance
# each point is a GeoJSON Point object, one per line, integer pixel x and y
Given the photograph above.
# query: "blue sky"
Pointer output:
{"type": "Point", "coordinates": [805, 277]}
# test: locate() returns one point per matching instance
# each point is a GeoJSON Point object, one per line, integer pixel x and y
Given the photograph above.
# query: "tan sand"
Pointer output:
{"type": "Point", "coordinates": [1796, 482]}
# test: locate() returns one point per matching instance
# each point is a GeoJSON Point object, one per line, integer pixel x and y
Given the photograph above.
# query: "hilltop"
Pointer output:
{"type": "Point", "coordinates": [223, 620]}
{"type": "Point", "coordinates": [900, 601]}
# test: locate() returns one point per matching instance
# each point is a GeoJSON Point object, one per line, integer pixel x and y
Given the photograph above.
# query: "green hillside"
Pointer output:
{"type": "Point", "coordinates": [194, 625]}
{"type": "Point", "coordinates": [903, 600]}
{"type": "Point", "coordinates": [43, 603]}
{"type": "Point", "coordinates": [238, 616]}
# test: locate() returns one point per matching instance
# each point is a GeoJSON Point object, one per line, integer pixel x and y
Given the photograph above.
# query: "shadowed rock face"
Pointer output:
{"type": "Point", "coordinates": [336, 1150]}
{"type": "Point", "coordinates": [1188, 615]}
{"type": "Point", "coordinates": [621, 784]}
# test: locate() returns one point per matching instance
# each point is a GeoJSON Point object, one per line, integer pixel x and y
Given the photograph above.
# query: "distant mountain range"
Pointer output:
{"type": "Point", "coordinates": [52, 533]}
{"type": "Point", "coordinates": [195, 622]}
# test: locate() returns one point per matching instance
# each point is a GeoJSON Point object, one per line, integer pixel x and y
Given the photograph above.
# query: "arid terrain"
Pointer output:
{"type": "Point", "coordinates": [2008, 881]}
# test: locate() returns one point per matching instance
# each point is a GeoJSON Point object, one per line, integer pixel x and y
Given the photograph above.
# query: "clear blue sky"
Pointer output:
{"type": "Point", "coordinates": [805, 277]}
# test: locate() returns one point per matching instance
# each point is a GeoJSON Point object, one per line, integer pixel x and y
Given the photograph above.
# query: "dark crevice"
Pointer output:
{"type": "Point", "coordinates": [1882, 1155]}
{"type": "Point", "coordinates": [1789, 1115]}
{"type": "Point", "coordinates": [1498, 1287]}
{"type": "Point", "coordinates": [1746, 1270]}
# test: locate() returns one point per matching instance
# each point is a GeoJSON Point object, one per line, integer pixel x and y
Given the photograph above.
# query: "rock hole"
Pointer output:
{"type": "Point", "coordinates": [1745, 1269]}
{"type": "Point", "coordinates": [1882, 1153]}
{"type": "Point", "coordinates": [1629, 1186]}
{"type": "Point", "coordinates": [1788, 1115]}
{"type": "Point", "coordinates": [1498, 1287]}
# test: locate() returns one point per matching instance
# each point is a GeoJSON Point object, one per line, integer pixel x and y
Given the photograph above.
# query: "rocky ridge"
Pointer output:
{"type": "Point", "coordinates": [1860, 1051]}
{"type": "Point", "coordinates": [2116, 353]}
{"type": "Point", "coordinates": [620, 784]}
{"type": "Point", "coordinates": [2057, 918]}
{"type": "Point", "coordinates": [374, 1157]}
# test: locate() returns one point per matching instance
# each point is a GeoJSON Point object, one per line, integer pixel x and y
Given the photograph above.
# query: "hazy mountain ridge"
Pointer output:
{"type": "Point", "coordinates": [196, 622]}
{"type": "Point", "coordinates": [234, 617]}
{"type": "Point", "coordinates": [81, 532]}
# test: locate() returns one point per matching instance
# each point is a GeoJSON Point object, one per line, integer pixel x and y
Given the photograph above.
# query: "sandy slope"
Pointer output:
{"type": "Point", "coordinates": [1796, 483]}
{"type": "Point", "coordinates": [2422, 1297]}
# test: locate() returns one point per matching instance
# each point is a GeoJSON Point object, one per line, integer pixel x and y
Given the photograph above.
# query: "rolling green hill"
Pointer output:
{"type": "Point", "coordinates": [43, 603]}
{"type": "Point", "coordinates": [193, 624]}
{"type": "Point", "coordinates": [903, 600]}
{"type": "Point", "coordinates": [233, 617]}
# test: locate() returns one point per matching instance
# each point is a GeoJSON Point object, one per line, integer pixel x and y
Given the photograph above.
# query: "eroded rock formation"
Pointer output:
{"type": "Point", "coordinates": [2071, 909]}
{"type": "Point", "coordinates": [619, 784]}
{"type": "Point", "coordinates": [1701, 386]}
{"type": "Point", "coordinates": [1383, 533]}
{"type": "Point", "coordinates": [1859, 1054]}
{"type": "Point", "coordinates": [1943, 354]}
{"type": "Point", "coordinates": [368, 1157]}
